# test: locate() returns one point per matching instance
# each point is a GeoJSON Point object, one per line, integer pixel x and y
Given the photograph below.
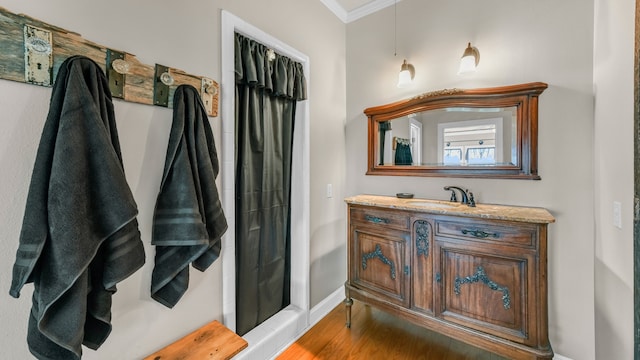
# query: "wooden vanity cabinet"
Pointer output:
{"type": "Point", "coordinates": [479, 280]}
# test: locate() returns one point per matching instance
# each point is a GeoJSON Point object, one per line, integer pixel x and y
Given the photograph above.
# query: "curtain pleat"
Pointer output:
{"type": "Point", "coordinates": [267, 90]}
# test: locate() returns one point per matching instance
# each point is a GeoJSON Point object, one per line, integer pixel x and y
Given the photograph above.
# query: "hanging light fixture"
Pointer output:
{"type": "Point", "coordinates": [407, 71]}
{"type": "Point", "coordinates": [469, 61]}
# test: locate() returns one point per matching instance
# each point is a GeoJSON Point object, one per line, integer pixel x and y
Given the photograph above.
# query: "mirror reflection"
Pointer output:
{"type": "Point", "coordinates": [452, 136]}
{"type": "Point", "coordinates": [487, 133]}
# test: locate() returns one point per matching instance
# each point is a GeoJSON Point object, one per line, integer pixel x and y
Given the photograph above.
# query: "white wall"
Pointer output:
{"type": "Point", "coordinates": [519, 41]}
{"type": "Point", "coordinates": [185, 35]}
{"type": "Point", "coordinates": [614, 177]}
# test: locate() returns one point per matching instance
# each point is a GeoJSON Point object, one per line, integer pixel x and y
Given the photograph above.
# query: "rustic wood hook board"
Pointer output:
{"type": "Point", "coordinates": [32, 52]}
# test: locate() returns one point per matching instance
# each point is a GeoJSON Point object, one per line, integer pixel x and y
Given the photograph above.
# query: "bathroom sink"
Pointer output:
{"type": "Point", "coordinates": [432, 204]}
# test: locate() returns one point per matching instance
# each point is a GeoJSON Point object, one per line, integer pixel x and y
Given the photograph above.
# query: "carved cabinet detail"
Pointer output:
{"type": "Point", "coordinates": [479, 279]}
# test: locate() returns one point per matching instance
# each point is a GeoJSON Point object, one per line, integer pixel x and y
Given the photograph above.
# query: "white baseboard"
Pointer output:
{"type": "Point", "coordinates": [325, 306]}
{"type": "Point", "coordinates": [560, 357]}
{"type": "Point", "coordinates": [316, 314]}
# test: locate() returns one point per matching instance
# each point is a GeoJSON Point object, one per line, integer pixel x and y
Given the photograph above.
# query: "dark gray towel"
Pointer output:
{"type": "Point", "coordinates": [188, 219]}
{"type": "Point", "coordinates": [79, 234]}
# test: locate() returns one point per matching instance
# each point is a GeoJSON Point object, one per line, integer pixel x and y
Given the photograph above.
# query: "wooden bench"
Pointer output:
{"type": "Point", "coordinates": [213, 341]}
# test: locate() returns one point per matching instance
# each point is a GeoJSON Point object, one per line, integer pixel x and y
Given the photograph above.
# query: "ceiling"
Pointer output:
{"type": "Point", "coordinates": [350, 10]}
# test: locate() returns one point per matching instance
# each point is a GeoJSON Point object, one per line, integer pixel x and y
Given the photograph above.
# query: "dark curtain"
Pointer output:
{"type": "Point", "coordinates": [403, 152]}
{"type": "Point", "coordinates": [268, 87]}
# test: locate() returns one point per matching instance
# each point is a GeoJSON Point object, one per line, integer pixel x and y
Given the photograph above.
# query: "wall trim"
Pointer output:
{"type": "Point", "coordinates": [325, 306]}
{"type": "Point", "coordinates": [318, 312]}
{"type": "Point", "coordinates": [359, 12]}
{"type": "Point", "coordinates": [560, 357]}
{"type": "Point", "coordinates": [336, 9]}
{"type": "Point", "coordinates": [369, 9]}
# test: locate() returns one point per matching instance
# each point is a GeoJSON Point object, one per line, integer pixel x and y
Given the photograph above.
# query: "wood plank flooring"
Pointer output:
{"type": "Point", "coordinates": [375, 334]}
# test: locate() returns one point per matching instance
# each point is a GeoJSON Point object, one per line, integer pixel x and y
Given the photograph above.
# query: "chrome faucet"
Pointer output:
{"type": "Point", "coordinates": [467, 196]}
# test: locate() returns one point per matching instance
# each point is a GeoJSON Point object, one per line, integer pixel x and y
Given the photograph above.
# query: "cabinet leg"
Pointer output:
{"type": "Point", "coordinates": [348, 302]}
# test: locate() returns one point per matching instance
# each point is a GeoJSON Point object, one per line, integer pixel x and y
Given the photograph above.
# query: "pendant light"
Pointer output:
{"type": "Point", "coordinates": [469, 61]}
{"type": "Point", "coordinates": [407, 71]}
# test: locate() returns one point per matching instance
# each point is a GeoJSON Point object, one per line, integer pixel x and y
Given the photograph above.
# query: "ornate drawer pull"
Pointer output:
{"type": "Point", "coordinates": [480, 275]}
{"type": "Point", "coordinates": [377, 220]}
{"type": "Point", "coordinates": [479, 233]}
{"type": "Point", "coordinates": [378, 253]}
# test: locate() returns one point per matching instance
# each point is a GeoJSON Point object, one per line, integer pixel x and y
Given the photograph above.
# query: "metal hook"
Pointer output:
{"type": "Point", "coordinates": [207, 87]}
{"type": "Point", "coordinates": [120, 66]}
{"type": "Point", "coordinates": [166, 78]}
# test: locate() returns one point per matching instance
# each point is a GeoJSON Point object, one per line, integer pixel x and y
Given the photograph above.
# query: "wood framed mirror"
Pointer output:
{"type": "Point", "coordinates": [482, 133]}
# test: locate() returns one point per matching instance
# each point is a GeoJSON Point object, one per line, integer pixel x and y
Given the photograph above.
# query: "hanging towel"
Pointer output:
{"type": "Point", "coordinates": [188, 220]}
{"type": "Point", "coordinates": [403, 152]}
{"type": "Point", "coordinates": [79, 235]}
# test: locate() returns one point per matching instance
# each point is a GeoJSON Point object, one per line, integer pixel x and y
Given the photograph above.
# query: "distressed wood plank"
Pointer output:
{"type": "Point", "coordinates": [138, 85]}
{"type": "Point", "coordinates": [181, 78]}
{"type": "Point", "coordinates": [211, 342]}
{"type": "Point", "coordinates": [12, 45]}
{"type": "Point", "coordinates": [66, 45]}
{"type": "Point", "coordinates": [139, 81]}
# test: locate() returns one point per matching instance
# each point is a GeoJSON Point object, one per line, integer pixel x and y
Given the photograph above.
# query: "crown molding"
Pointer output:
{"type": "Point", "coordinates": [336, 9]}
{"type": "Point", "coordinates": [357, 13]}
{"type": "Point", "coordinates": [368, 9]}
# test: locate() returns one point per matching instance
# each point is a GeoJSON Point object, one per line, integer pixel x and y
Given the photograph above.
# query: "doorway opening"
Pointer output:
{"type": "Point", "coordinates": [287, 324]}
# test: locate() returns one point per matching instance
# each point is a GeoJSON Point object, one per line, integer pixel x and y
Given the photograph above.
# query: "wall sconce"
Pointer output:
{"type": "Point", "coordinates": [469, 61]}
{"type": "Point", "coordinates": [407, 73]}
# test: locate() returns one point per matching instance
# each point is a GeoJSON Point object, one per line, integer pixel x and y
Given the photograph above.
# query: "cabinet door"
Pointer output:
{"type": "Point", "coordinates": [422, 265]}
{"type": "Point", "coordinates": [378, 263]}
{"type": "Point", "coordinates": [484, 291]}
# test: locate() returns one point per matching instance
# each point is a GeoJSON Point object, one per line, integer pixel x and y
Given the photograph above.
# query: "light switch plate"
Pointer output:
{"type": "Point", "coordinates": [617, 214]}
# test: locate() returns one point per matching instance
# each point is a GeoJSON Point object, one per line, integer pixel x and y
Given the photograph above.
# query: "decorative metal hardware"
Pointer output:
{"type": "Point", "coordinates": [38, 56]}
{"type": "Point", "coordinates": [208, 89]}
{"type": "Point", "coordinates": [480, 275]}
{"type": "Point", "coordinates": [377, 220]}
{"type": "Point", "coordinates": [161, 86]}
{"type": "Point", "coordinates": [378, 253]}
{"type": "Point", "coordinates": [479, 233]}
{"type": "Point", "coordinates": [438, 277]}
{"type": "Point", "coordinates": [117, 68]}
{"type": "Point", "coordinates": [121, 66]}
{"type": "Point", "coordinates": [166, 78]}
{"type": "Point", "coordinates": [422, 237]}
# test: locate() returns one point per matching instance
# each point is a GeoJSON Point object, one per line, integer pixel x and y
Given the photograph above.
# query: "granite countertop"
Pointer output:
{"type": "Point", "coordinates": [484, 211]}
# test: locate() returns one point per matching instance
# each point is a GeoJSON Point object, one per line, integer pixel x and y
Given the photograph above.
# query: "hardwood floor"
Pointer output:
{"type": "Point", "coordinates": [375, 334]}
